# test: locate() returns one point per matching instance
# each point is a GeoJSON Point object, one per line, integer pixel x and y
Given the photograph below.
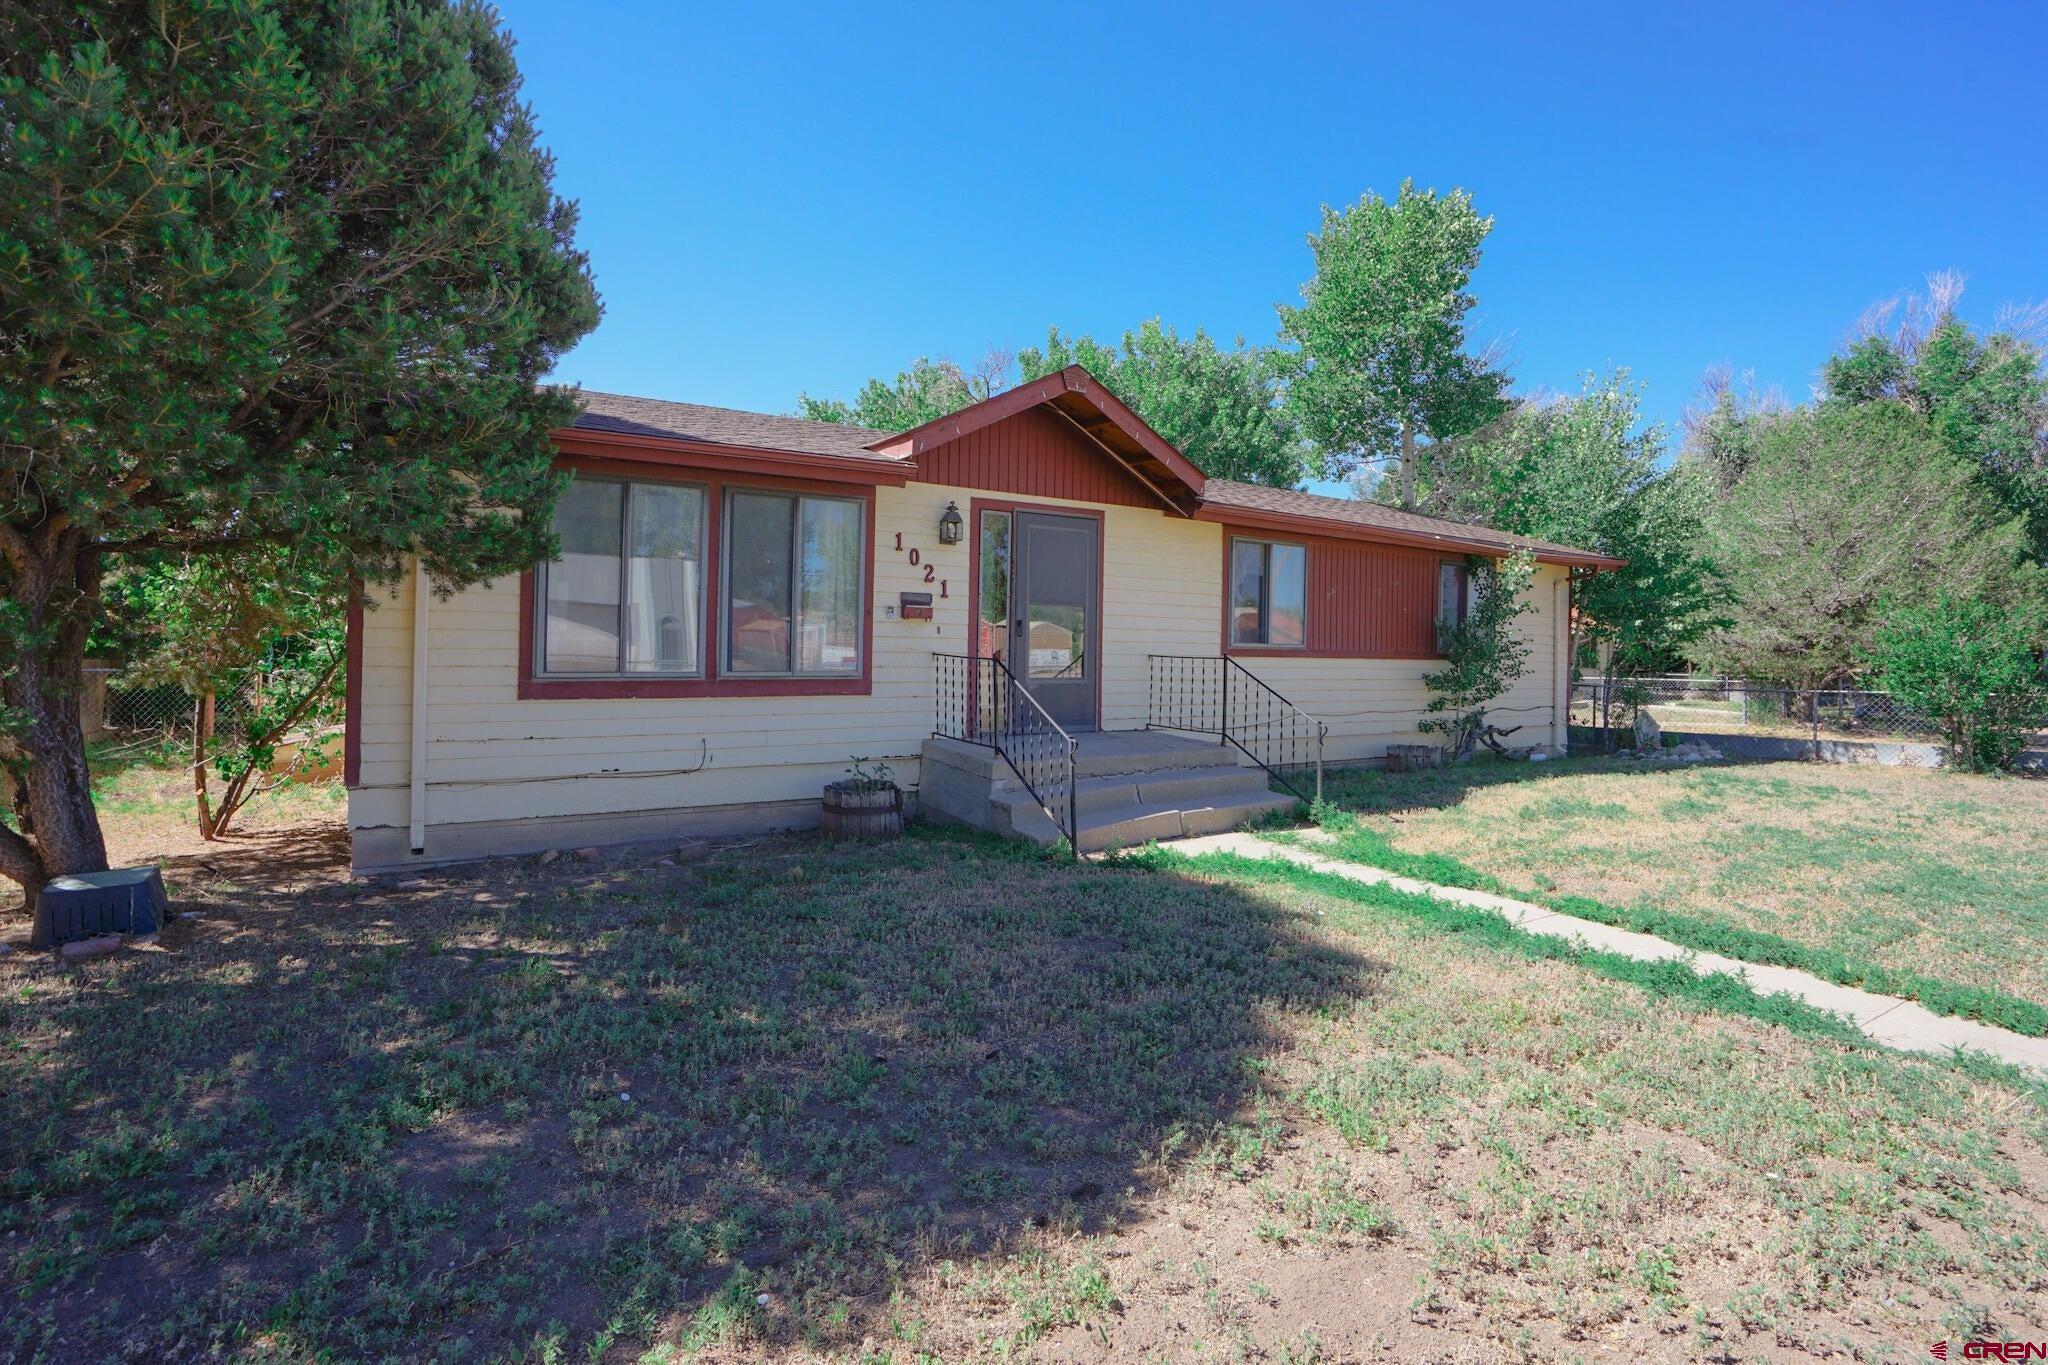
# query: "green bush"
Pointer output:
{"type": "Point", "coordinates": [1974, 667]}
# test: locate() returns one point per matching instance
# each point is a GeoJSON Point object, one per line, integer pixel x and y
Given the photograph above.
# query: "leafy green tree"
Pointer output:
{"type": "Point", "coordinates": [1985, 397]}
{"type": "Point", "coordinates": [270, 274]}
{"type": "Point", "coordinates": [1842, 508]}
{"type": "Point", "coordinates": [1973, 665]}
{"type": "Point", "coordinates": [1484, 655]}
{"type": "Point", "coordinates": [1220, 408]}
{"type": "Point", "coordinates": [928, 390]}
{"type": "Point", "coordinates": [1381, 331]}
{"type": "Point", "coordinates": [260, 626]}
{"type": "Point", "coordinates": [1584, 471]}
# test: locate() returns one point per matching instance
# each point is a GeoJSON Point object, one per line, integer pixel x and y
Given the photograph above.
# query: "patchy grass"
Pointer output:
{"type": "Point", "coordinates": [950, 1099]}
{"type": "Point", "coordinates": [1911, 882]}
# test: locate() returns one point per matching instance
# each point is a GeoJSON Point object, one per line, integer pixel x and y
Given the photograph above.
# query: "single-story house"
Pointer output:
{"type": "Point", "coordinates": [1036, 593]}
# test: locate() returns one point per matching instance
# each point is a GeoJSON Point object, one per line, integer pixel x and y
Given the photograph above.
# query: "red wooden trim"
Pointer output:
{"type": "Point", "coordinates": [705, 477]}
{"type": "Point", "coordinates": [1268, 523]}
{"type": "Point", "coordinates": [1072, 379]}
{"type": "Point", "coordinates": [533, 687]}
{"type": "Point", "coordinates": [352, 691]}
{"type": "Point", "coordinates": [1309, 611]}
{"type": "Point", "coordinates": [668, 451]}
{"type": "Point", "coordinates": [976, 507]}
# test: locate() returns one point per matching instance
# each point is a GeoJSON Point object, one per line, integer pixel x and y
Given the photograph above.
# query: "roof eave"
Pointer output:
{"type": "Point", "coordinates": [685, 452]}
{"type": "Point", "coordinates": [1331, 528]}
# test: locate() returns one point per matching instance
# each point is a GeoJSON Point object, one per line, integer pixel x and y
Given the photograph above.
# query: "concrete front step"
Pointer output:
{"type": "Point", "coordinates": [1145, 751]}
{"type": "Point", "coordinates": [1161, 787]}
{"type": "Point", "coordinates": [1129, 826]}
{"type": "Point", "coordinates": [1130, 788]}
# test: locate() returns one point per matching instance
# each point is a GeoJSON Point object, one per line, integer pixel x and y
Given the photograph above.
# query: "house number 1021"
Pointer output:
{"type": "Point", "coordinates": [931, 571]}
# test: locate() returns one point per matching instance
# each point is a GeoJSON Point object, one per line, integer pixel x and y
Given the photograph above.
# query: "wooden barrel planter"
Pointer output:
{"type": "Point", "coordinates": [858, 811]}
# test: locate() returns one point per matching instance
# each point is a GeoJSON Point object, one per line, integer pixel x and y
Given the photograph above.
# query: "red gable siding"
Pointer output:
{"type": "Point", "coordinates": [1036, 453]}
{"type": "Point", "coordinates": [1365, 601]}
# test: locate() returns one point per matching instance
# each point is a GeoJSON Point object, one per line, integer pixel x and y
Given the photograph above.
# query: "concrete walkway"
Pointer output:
{"type": "Point", "coordinates": [1884, 1018]}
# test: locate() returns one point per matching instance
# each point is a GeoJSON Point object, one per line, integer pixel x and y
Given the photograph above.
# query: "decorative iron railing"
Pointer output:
{"type": "Point", "coordinates": [1209, 694]}
{"type": "Point", "coordinates": [981, 702]}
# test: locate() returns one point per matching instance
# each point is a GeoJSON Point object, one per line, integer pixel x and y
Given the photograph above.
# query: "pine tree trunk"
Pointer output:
{"type": "Point", "coordinates": [1408, 466]}
{"type": "Point", "coordinates": [53, 582]}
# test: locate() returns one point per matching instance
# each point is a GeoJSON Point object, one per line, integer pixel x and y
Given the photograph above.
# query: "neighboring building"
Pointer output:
{"type": "Point", "coordinates": [735, 617]}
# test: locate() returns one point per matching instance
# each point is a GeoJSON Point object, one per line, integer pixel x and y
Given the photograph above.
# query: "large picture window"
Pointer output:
{"type": "Point", "coordinates": [1268, 594]}
{"type": "Point", "coordinates": [626, 596]}
{"type": "Point", "coordinates": [793, 585]}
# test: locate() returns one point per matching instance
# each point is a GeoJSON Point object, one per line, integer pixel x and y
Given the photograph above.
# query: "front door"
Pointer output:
{"type": "Point", "coordinates": [1055, 625]}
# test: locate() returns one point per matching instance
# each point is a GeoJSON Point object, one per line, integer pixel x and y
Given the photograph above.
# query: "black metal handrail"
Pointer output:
{"type": "Point", "coordinates": [1213, 694]}
{"type": "Point", "coordinates": [981, 702]}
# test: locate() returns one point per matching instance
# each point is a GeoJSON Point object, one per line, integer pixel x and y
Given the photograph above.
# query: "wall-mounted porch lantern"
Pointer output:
{"type": "Point", "coordinates": [950, 525]}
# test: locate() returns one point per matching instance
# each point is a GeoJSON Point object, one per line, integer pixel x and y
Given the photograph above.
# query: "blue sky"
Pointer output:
{"type": "Point", "coordinates": [782, 198]}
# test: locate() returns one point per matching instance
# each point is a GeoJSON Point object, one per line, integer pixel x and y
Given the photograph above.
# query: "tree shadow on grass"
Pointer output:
{"type": "Point", "coordinates": [605, 1103]}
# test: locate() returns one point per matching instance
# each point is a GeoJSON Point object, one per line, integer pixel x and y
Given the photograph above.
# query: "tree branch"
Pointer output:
{"type": "Point", "coordinates": [14, 548]}
{"type": "Point", "coordinates": [18, 861]}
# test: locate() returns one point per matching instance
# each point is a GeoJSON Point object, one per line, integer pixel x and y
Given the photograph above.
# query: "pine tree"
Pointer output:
{"type": "Point", "coordinates": [269, 274]}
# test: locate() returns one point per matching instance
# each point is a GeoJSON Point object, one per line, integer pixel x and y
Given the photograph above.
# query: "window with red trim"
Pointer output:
{"type": "Point", "coordinates": [1453, 599]}
{"type": "Point", "coordinates": [627, 603]}
{"type": "Point", "coordinates": [625, 599]}
{"type": "Point", "coordinates": [1268, 594]}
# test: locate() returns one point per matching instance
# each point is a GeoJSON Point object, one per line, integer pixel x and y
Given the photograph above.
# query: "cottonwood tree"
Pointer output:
{"type": "Point", "coordinates": [1221, 408]}
{"type": "Point", "coordinates": [928, 390]}
{"type": "Point", "coordinates": [270, 274]}
{"type": "Point", "coordinates": [1382, 361]}
{"type": "Point", "coordinates": [1584, 470]}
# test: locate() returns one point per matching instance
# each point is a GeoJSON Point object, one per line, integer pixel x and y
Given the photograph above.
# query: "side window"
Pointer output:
{"type": "Point", "coordinates": [1268, 594]}
{"type": "Point", "coordinates": [1453, 589]}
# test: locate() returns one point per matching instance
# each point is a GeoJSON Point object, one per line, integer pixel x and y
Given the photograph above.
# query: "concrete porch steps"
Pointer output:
{"type": "Point", "coordinates": [1130, 788]}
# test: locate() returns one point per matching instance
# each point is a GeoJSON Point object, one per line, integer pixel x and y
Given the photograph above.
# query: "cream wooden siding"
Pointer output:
{"type": "Point", "coordinates": [494, 757]}
{"type": "Point", "coordinates": [1371, 703]}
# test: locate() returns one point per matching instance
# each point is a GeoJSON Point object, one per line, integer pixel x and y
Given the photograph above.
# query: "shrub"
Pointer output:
{"type": "Point", "coordinates": [1973, 666]}
{"type": "Point", "coordinates": [1483, 654]}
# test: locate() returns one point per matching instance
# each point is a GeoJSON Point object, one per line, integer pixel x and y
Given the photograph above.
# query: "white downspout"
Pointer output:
{"type": "Point", "coordinates": [422, 594]}
{"type": "Point", "coordinates": [1561, 695]}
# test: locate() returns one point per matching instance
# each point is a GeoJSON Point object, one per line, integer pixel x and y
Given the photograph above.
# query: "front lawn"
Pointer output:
{"type": "Point", "coordinates": [953, 1100]}
{"type": "Point", "coordinates": [1940, 874]}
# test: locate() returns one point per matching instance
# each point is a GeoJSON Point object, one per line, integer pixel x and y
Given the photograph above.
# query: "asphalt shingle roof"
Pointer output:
{"type": "Point", "coordinates": [658, 417]}
{"type": "Point", "coordinates": [618, 413]}
{"type": "Point", "coordinates": [1253, 497]}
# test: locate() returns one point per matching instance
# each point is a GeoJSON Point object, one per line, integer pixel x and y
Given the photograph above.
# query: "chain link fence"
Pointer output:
{"type": "Point", "coordinates": [1733, 706]}
{"type": "Point", "coordinates": [118, 711]}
